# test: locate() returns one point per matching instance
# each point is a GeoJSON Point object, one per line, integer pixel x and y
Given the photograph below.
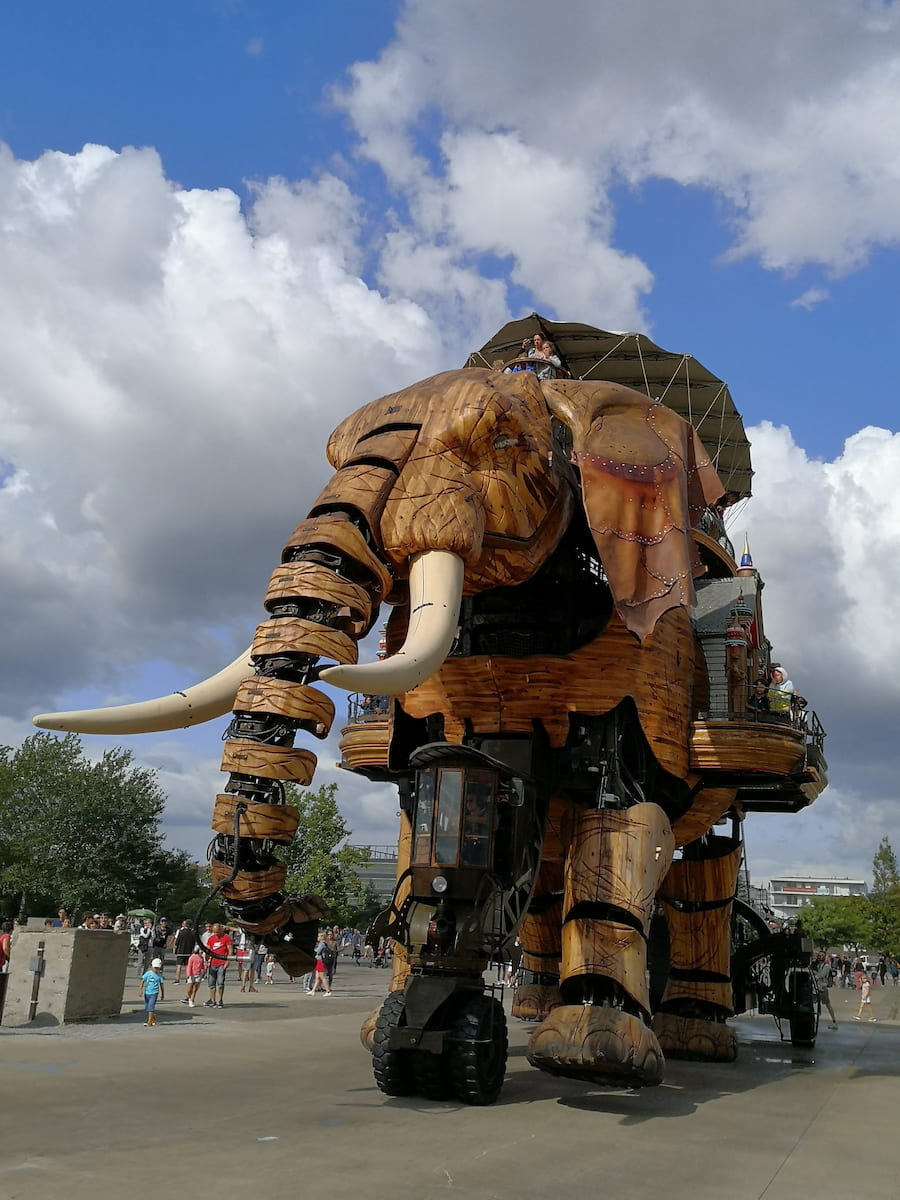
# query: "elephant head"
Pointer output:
{"type": "Point", "coordinates": [462, 483]}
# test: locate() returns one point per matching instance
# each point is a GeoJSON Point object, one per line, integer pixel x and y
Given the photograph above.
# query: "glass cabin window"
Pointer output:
{"type": "Point", "coordinates": [424, 817]}
{"type": "Point", "coordinates": [478, 819]}
{"type": "Point", "coordinates": [449, 804]}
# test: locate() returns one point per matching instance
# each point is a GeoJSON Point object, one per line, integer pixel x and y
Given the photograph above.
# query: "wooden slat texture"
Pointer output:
{"type": "Point", "coordinates": [278, 822]}
{"type": "Point", "coordinates": [506, 693]}
{"type": "Point", "coordinates": [260, 694]}
{"type": "Point", "coordinates": [363, 487]}
{"type": "Point", "coordinates": [333, 532]}
{"type": "Point", "coordinates": [314, 581]}
{"type": "Point", "coordinates": [618, 857]}
{"type": "Point", "coordinates": [250, 885]}
{"type": "Point", "coordinates": [719, 994]}
{"type": "Point", "coordinates": [703, 880]}
{"type": "Point", "coordinates": [390, 445]}
{"type": "Point", "coordinates": [274, 920]}
{"type": "Point", "coordinates": [754, 746]}
{"type": "Point", "coordinates": [609, 950]}
{"type": "Point", "coordinates": [698, 941]}
{"type": "Point", "coordinates": [365, 745]}
{"type": "Point", "coordinates": [292, 635]}
{"type": "Point", "coordinates": [291, 764]}
{"type": "Point", "coordinates": [707, 806]}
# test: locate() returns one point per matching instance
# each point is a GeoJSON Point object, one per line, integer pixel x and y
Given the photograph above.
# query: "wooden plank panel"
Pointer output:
{"type": "Point", "coordinates": [292, 635]}
{"type": "Point", "coordinates": [250, 885]}
{"type": "Point", "coordinates": [609, 950]}
{"type": "Point", "coordinates": [618, 857]}
{"type": "Point", "coordinates": [752, 746]}
{"type": "Point", "coordinates": [269, 762]}
{"type": "Point", "coordinates": [365, 745]}
{"type": "Point", "coordinates": [363, 487]}
{"type": "Point", "coordinates": [699, 941]}
{"type": "Point", "coordinates": [500, 692]}
{"type": "Point", "coordinates": [278, 822]}
{"type": "Point", "coordinates": [261, 694]}
{"type": "Point", "coordinates": [314, 581]}
{"type": "Point", "coordinates": [720, 994]}
{"type": "Point", "coordinates": [704, 879]}
{"type": "Point", "coordinates": [334, 532]}
{"type": "Point", "coordinates": [707, 806]}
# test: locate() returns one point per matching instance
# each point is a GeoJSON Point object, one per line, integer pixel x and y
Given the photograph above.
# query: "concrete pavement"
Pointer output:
{"type": "Point", "coordinates": [273, 1096]}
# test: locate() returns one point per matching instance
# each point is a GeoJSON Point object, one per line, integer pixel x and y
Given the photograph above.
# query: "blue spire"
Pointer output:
{"type": "Point", "coordinates": [746, 560]}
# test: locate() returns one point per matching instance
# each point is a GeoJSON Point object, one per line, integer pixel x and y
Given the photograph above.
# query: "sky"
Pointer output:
{"type": "Point", "coordinates": [226, 225]}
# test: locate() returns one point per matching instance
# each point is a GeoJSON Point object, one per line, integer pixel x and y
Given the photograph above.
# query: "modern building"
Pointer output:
{"type": "Point", "coordinates": [380, 870]}
{"type": "Point", "coordinates": [789, 893]}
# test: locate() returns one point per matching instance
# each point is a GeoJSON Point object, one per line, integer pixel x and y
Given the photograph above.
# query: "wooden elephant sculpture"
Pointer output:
{"type": "Point", "coordinates": [544, 715]}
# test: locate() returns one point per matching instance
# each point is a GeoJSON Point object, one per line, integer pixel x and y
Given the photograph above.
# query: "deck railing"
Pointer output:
{"type": "Point", "coordinates": [802, 719]}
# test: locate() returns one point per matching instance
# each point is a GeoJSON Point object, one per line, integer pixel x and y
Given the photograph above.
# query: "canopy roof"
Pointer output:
{"type": "Point", "coordinates": [677, 380]}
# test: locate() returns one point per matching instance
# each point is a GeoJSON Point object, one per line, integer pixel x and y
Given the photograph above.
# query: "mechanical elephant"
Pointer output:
{"type": "Point", "coordinates": [533, 538]}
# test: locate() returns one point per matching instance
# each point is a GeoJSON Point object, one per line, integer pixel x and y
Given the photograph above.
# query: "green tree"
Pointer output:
{"type": "Point", "coordinates": [838, 921]}
{"type": "Point", "coordinates": [81, 834]}
{"type": "Point", "coordinates": [318, 860]}
{"type": "Point", "coordinates": [885, 876]}
{"type": "Point", "coordinates": [885, 899]}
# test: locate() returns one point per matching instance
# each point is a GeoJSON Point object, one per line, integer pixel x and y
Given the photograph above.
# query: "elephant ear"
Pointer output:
{"type": "Point", "coordinates": [646, 479]}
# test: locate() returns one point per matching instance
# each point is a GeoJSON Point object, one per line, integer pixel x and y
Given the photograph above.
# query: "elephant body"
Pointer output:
{"type": "Point", "coordinates": [547, 721]}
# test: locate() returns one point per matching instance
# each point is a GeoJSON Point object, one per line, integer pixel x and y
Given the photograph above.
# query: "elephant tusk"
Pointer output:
{"type": "Point", "coordinates": [203, 702]}
{"type": "Point", "coordinates": [435, 591]}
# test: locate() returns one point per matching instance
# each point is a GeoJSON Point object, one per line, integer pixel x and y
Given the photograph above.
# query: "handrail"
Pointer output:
{"type": "Point", "coordinates": [804, 720]}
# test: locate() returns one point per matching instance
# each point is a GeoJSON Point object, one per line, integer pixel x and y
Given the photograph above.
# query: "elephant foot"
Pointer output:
{"type": "Point", "coordinates": [598, 1045]}
{"type": "Point", "coordinates": [694, 1038]}
{"type": "Point", "coordinates": [367, 1030]}
{"type": "Point", "coordinates": [534, 1001]}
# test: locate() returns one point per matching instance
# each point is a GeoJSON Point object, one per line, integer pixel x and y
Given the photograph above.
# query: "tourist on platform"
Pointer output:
{"type": "Point", "coordinates": [759, 698]}
{"type": "Point", "coordinates": [781, 689]}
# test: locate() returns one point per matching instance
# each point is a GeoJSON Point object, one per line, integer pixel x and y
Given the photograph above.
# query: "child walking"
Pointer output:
{"type": "Point", "coordinates": [152, 989]}
{"type": "Point", "coordinates": [865, 998]}
{"type": "Point", "coordinates": [195, 971]}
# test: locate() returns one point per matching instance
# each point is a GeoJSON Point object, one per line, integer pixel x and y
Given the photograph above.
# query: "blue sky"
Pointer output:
{"type": "Point", "coordinates": [323, 203]}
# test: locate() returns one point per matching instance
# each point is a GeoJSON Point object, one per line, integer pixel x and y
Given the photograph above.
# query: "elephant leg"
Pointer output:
{"type": "Point", "coordinates": [400, 967]}
{"type": "Point", "coordinates": [615, 861]}
{"type": "Point", "coordinates": [696, 898]}
{"type": "Point", "coordinates": [540, 936]}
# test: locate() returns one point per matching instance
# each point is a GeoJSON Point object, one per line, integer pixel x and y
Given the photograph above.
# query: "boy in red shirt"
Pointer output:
{"type": "Point", "coordinates": [218, 948]}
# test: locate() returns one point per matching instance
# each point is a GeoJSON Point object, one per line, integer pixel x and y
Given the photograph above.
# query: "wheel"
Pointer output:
{"type": "Point", "coordinates": [393, 1069]}
{"type": "Point", "coordinates": [432, 1079]}
{"type": "Point", "coordinates": [803, 1029]}
{"type": "Point", "coordinates": [476, 1050]}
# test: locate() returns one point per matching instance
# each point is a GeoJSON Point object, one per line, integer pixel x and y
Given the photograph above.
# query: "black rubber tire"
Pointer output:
{"type": "Point", "coordinates": [393, 1069]}
{"type": "Point", "coordinates": [432, 1076]}
{"type": "Point", "coordinates": [803, 1029]}
{"type": "Point", "coordinates": [476, 1050]}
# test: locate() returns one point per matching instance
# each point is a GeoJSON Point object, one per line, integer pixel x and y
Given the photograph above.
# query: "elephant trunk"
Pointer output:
{"type": "Point", "coordinates": [320, 601]}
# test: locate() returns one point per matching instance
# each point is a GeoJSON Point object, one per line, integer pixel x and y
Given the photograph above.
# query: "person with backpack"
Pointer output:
{"type": "Point", "coordinates": [323, 952]}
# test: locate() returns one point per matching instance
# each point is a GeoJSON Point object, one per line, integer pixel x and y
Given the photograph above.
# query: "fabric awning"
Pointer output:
{"type": "Point", "coordinates": [677, 380]}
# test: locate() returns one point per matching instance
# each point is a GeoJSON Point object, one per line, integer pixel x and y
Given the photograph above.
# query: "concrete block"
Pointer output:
{"type": "Point", "coordinates": [83, 976]}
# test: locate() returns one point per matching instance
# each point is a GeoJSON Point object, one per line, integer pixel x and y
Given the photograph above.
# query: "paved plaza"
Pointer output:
{"type": "Point", "coordinates": [273, 1097]}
